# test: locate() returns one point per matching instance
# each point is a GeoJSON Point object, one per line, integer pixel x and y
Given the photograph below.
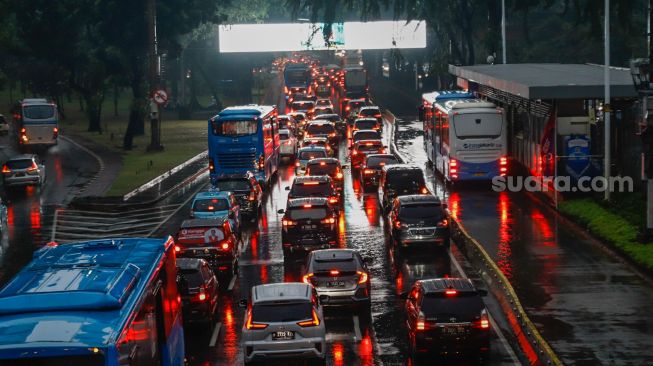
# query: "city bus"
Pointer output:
{"type": "Point", "coordinates": [36, 122]}
{"type": "Point", "coordinates": [296, 78]}
{"type": "Point", "coordinates": [426, 111]}
{"type": "Point", "coordinates": [111, 302]}
{"type": "Point", "coordinates": [469, 140]}
{"type": "Point", "coordinates": [244, 139]}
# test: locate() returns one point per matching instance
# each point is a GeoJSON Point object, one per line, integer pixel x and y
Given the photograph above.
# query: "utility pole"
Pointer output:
{"type": "Point", "coordinates": [649, 125]}
{"type": "Point", "coordinates": [153, 75]}
{"type": "Point", "coordinates": [503, 30]}
{"type": "Point", "coordinates": [606, 104]}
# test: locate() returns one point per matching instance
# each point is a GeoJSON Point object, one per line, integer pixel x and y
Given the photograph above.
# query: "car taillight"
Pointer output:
{"type": "Point", "coordinates": [285, 89]}
{"type": "Point", "coordinates": [368, 171]}
{"type": "Point", "coordinates": [399, 225]}
{"type": "Point", "coordinates": [225, 245]}
{"type": "Point", "coordinates": [314, 322]}
{"type": "Point", "coordinates": [285, 222]}
{"type": "Point", "coordinates": [297, 164]}
{"type": "Point", "coordinates": [339, 175]}
{"type": "Point", "coordinates": [177, 248]}
{"type": "Point", "coordinates": [333, 199]}
{"type": "Point", "coordinates": [421, 324]}
{"type": "Point", "coordinates": [211, 165]}
{"type": "Point", "coordinates": [249, 324]}
{"type": "Point", "coordinates": [443, 223]}
{"type": "Point", "coordinates": [362, 277]}
{"type": "Point", "coordinates": [23, 130]}
{"type": "Point", "coordinates": [5, 169]}
{"type": "Point", "coordinates": [55, 132]}
{"type": "Point", "coordinates": [354, 152]}
{"type": "Point", "coordinates": [252, 195]}
{"type": "Point", "coordinates": [347, 108]}
{"type": "Point", "coordinates": [424, 190]}
{"type": "Point", "coordinates": [202, 295]}
{"type": "Point", "coordinates": [483, 322]}
{"type": "Point", "coordinates": [308, 278]}
{"type": "Point", "coordinates": [329, 220]}
{"type": "Point", "coordinates": [332, 134]}
{"type": "Point", "coordinates": [34, 167]}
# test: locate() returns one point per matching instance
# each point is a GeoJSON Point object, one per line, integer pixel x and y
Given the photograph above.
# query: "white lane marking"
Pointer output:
{"type": "Point", "coordinates": [54, 225]}
{"type": "Point", "coordinates": [190, 197]}
{"type": "Point", "coordinates": [357, 329]}
{"type": "Point", "coordinates": [214, 336]}
{"type": "Point", "coordinates": [502, 337]}
{"type": "Point", "coordinates": [335, 337]}
{"type": "Point", "coordinates": [232, 283]}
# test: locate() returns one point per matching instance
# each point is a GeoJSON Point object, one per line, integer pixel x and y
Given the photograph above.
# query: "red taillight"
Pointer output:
{"type": "Point", "coordinates": [333, 199]}
{"type": "Point", "coordinates": [424, 190]}
{"type": "Point", "coordinates": [347, 108]}
{"type": "Point", "coordinates": [23, 130]}
{"type": "Point", "coordinates": [339, 175]}
{"type": "Point", "coordinates": [420, 324]}
{"type": "Point", "coordinates": [202, 295]}
{"type": "Point", "coordinates": [453, 163]}
{"type": "Point", "coordinates": [211, 165]}
{"type": "Point", "coordinates": [285, 222]}
{"type": "Point", "coordinates": [453, 167]}
{"type": "Point", "coordinates": [362, 277]}
{"type": "Point", "coordinates": [314, 322]}
{"type": "Point", "coordinates": [329, 220]}
{"type": "Point", "coordinates": [5, 169]}
{"type": "Point", "coordinates": [55, 132]}
{"type": "Point", "coordinates": [503, 160]}
{"type": "Point", "coordinates": [249, 324]}
{"type": "Point", "coordinates": [34, 167]}
{"type": "Point", "coordinates": [399, 224]}
{"type": "Point", "coordinates": [483, 322]}
{"type": "Point", "coordinates": [297, 164]}
{"type": "Point", "coordinates": [354, 152]}
{"type": "Point", "coordinates": [451, 292]}
{"type": "Point", "coordinates": [368, 171]}
{"type": "Point", "coordinates": [177, 248]}
{"type": "Point", "coordinates": [225, 245]}
{"type": "Point", "coordinates": [443, 223]}
{"type": "Point", "coordinates": [307, 278]}
{"type": "Point", "coordinates": [252, 195]}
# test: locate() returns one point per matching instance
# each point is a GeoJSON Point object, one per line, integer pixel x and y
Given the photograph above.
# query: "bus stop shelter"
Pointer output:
{"type": "Point", "coordinates": [555, 115]}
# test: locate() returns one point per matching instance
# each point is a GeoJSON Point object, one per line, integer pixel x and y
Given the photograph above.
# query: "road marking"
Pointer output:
{"type": "Point", "coordinates": [214, 336]}
{"type": "Point", "coordinates": [357, 329]}
{"type": "Point", "coordinates": [54, 225]}
{"type": "Point", "coordinates": [190, 197]}
{"type": "Point", "coordinates": [232, 283]}
{"type": "Point", "coordinates": [497, 330]}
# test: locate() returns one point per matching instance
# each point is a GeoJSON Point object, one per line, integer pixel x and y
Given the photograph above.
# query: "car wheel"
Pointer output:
{"type": "Point", "coordinates": [318, 362]}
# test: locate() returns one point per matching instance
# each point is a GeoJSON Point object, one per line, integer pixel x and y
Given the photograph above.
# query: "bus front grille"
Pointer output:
{"type": "Point", "coordinates": [236, 160]}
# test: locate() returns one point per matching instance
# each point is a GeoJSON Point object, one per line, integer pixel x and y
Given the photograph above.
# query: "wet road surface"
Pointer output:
{"type": "Point", "coordinates": [591, 308]}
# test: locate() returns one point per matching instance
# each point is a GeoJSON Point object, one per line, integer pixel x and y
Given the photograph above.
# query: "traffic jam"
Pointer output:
{"type": "Point", "coordinates": [312, 242]}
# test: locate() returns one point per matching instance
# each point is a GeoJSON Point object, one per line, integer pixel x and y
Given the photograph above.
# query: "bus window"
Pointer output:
{"type": "Point", "coordinates": [476, 126]}
{"type": "Point", "coordinates": [38, 112]}
{"type": "Point", "coordinates": [444, 129]}
{"type": "Point", "coordinates": [139, 344]}
{"type": "Point", "coordinates": [235, 128]}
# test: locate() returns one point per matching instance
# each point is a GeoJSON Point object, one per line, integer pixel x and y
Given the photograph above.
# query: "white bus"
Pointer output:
{"type": "Point", "coordinates": [36, 122]}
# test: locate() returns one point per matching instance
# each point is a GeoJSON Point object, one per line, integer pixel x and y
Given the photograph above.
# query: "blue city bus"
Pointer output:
{"type": "Point", "coordinates": [110, 302]}
{"type": "Point", "coordinates": [296, 78]}
{"type": "Point", "coordinates": [243, 139]}
{"type": "Point", "coordinates": [426, 112]}
{"type": "Point", "coordinates": [469, 140]}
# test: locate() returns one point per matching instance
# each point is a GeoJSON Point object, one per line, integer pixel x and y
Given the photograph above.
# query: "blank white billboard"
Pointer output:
{"type": "Point", "coordinates": [308, 36]}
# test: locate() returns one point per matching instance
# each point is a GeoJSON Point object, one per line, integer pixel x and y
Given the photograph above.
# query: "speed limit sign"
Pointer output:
{"type": "Point", "coordinates": [160, 97]}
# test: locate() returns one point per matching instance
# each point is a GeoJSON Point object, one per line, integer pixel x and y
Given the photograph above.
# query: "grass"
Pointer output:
{"type": "Point", "coordinates": [615, 229]}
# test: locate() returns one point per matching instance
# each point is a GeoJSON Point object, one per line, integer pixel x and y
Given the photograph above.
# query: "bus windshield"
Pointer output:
{"type": "Point", "coordinates": [38, 112]}
{"type": "Point", "coordinates": [235, 128]}
{"type": "Point", "coordinates": [478, 126]}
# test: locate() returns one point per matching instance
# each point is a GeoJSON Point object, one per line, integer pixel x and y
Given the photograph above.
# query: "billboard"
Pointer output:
{"type": "Point", "coordinates": [308, 36]}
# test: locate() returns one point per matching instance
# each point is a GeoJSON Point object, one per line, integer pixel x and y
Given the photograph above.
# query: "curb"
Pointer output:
{"type": "Point", "coordinates": [164, 176]}
{"type": "Point", "coordinates": [531, 342]}
{"type": "Point", "coordinates": [94, 155]}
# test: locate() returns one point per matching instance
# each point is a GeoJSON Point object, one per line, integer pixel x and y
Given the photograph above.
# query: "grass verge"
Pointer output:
{"type": "Point", "coordinates": [611, 228]}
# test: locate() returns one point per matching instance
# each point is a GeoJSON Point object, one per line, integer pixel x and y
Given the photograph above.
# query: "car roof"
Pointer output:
{"type": "Point", "coordinates": [281, 292]}
{"type": "Point", "coordinates": [312, 178]}
{"type": "Point", "coordinates": [438, 285]}
{"type": "Point", "coordinates": [401, 167]}
{"type": "Point", "coordinates": [325, 160]}
{"type": "Point", "coordinates": [22, 157]}
{"type": "Point", "coordinates": [418, 199]}
{"type": "Point", "coordinates": [299, 202]}
{"type": "Point", "coordinates": [213, 222]}
{"type": "Point", "coordinates": [316, 138]}
{"type": "Point", "coordinates": [213, 194]}
{"type": "Point", "coordinates": [189, 263]}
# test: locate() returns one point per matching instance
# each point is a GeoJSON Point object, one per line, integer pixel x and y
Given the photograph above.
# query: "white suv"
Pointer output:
{"type": "Point", "coordinates": [283, 320]}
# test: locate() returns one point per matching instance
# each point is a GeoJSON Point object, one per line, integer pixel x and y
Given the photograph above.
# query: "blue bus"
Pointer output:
{"type": "Point", "coordinates": [296, 78]}
{"type": "Point", "coordinates": [467, 139]}
{"type": "Point", "coordinates": [243, 139]}
{"type": "Point", "coordinates": [96, 303]}
{"type": "Point", "coordinates": [426, 112]}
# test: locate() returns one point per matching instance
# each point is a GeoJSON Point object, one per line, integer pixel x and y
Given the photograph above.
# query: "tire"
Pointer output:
{"type": "Point", "coordinates": [318, 362]}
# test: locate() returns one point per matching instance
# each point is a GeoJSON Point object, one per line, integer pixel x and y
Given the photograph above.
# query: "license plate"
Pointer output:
{"type": "Point", "coordinates": [283, 335]}
{"type": "Point", "coordinates": [20, 174]}
{"type": "Point", "coordinates": [422, 232]}
{"type": "Point", "coordinates": [336, 284]}
{"type": "Point", "coordinates": [453, 330]}
{"type": "Point", "coordinates": [309, 227]}
{"type": "Point", "coordinates": [480, 174]}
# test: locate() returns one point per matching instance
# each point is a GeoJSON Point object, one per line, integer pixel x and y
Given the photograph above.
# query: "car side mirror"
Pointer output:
{"type": "Point", "coordinates": [287, 188]}
{"type": "Point", "coordinates": [481, 292]}
{"type": "Point", "coordinates": [403, 295]}
{"type": "Point", "coordinates": [242, 303]}
{"type": "Point", "coordinates": [281, 212]}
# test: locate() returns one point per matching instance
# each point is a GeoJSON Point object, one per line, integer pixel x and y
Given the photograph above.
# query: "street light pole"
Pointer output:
{"type": "Point", "coordinates": [153, 75]}
{"type": "Point", "coordinates": [503, 30]}
{"type": "Point", "coordinates": [606, 104]}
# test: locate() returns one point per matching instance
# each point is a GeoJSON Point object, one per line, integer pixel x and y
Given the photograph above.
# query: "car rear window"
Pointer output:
{"type": "Point", "coordinates": [281, 312]}
{"type": "Point", "coordinates": [366, 125]}
{"type": "Point", "coordinates": [187, 279]}
{"type": "Point", "coordinates": [307, 213]}
{"type": "Point", "coordinates": [381, 161]}
{"type": "Point", "coordinates": [463, 307]}
{"type": "Point", "coordinates": [369, 147]}
{"type": "Point", "coordinates": [424, 211]}
{"type": "Point", "coordinates": [342, 265]}
{"type": "Point", "coordinates": [322, 189]}
{"type": "Point", "coordinates": [308, 155]}
{"type": "Point", "coordinates": [357, 105]}
{"type": "Point", "coordinates": [213, 204]}
{"type": "Point", "coordinates": [303, 105]}
{"type": "Point", "coordinates": [367, 135]}
{"type": "Point", "coordinates": [233, 184]}
{"type": "Point", "coordinates": [322, 168]}
{"type": "Point", "coordinates": [314, 129]}
{"type": "Point", "coordinates": [370, 112]}
{"type": "Point", "coordinates": [405, 179]}
{"type": "Point", "coordinates": [19, 164]}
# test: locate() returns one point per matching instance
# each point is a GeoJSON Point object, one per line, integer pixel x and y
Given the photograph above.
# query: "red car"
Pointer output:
{"type": "Point", "coordinates": [362, 148]}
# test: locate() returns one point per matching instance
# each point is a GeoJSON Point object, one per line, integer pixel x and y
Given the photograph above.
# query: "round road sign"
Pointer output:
{"type": "Point", "coordinates": [160, 97]}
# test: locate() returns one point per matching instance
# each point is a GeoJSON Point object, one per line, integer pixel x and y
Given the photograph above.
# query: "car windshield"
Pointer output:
{"type": "Point", "coordinates": [234, 128]}
{"type": "Point", "coordinates": [19, 164]}
{"type": "Point", "coordinates": [322, 168]}
{"type": "Point", "coordinates": [187, 279]}
{"type": "Point", "coordinates": [367, 135]}
{"type": "Point", "coordinates": [38, 111]}
{"type": "Point", "coordinates": [374, 162]}
{"type": "Point", "coordinates": [321, 189]}
{"type": "Point", "coordinates": [307, 213]}
{"type": "Point", "coordinates": [284, 312]}
{"type": "Point", "coordinates": [232, 185]}
{"type": "Point", "coordinates": [366, 125]}
{"type": "Point", "coordinates": [369, 147]}
{"type": "Point", "coordinates": [211, 205]}
{"type": "Point", "coordinates": [406, 179]}
{"type": "Point", "coordinates": [320, 129]}
{"type": "Point", "coordinates": [427, 211]}
{"type": "Point", "coordinates": [465, 308]}
{"type": "Point", "coordinates": [308, 155]}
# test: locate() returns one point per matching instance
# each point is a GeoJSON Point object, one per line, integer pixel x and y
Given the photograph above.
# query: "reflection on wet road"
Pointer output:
{"type": "Point", "coordinates": [591, 308]}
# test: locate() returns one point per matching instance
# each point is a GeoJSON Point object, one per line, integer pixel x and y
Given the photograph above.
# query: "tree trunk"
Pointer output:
{"type": "Point", "coordinates": [136, 124]}
{"type": "Point", "coordinates": [115, 99]}
{"type": "Point", "coordinates": [93, 102]}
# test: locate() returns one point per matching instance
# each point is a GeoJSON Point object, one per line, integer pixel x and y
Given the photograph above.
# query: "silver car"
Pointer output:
{"type": "Point", "coordinates": [283, 320]}
{"type": "Point", "coordinates": [305, 154]}
{"type": "Point", "coordinates": [23, 170]}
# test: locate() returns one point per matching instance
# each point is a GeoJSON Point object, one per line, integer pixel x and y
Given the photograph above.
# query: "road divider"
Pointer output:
{"type": "Point", "coordinates": [530, 341]}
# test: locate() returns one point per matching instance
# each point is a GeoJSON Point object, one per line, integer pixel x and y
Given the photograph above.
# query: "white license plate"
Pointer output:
{"type": "Point", "coordinates": [309, 227]}
{"type": "Point", "coordinates": [283, 335]}
{"type": "Point", "coordinates": [454, 330]}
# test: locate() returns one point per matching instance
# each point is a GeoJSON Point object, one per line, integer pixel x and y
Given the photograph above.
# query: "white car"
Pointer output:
{"type": "Point", "coordinates": [288, 141]}
{"type": "Point", "coordinates": [23, 170]}
{"type": "Point", "coordinates": [283, 320]}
